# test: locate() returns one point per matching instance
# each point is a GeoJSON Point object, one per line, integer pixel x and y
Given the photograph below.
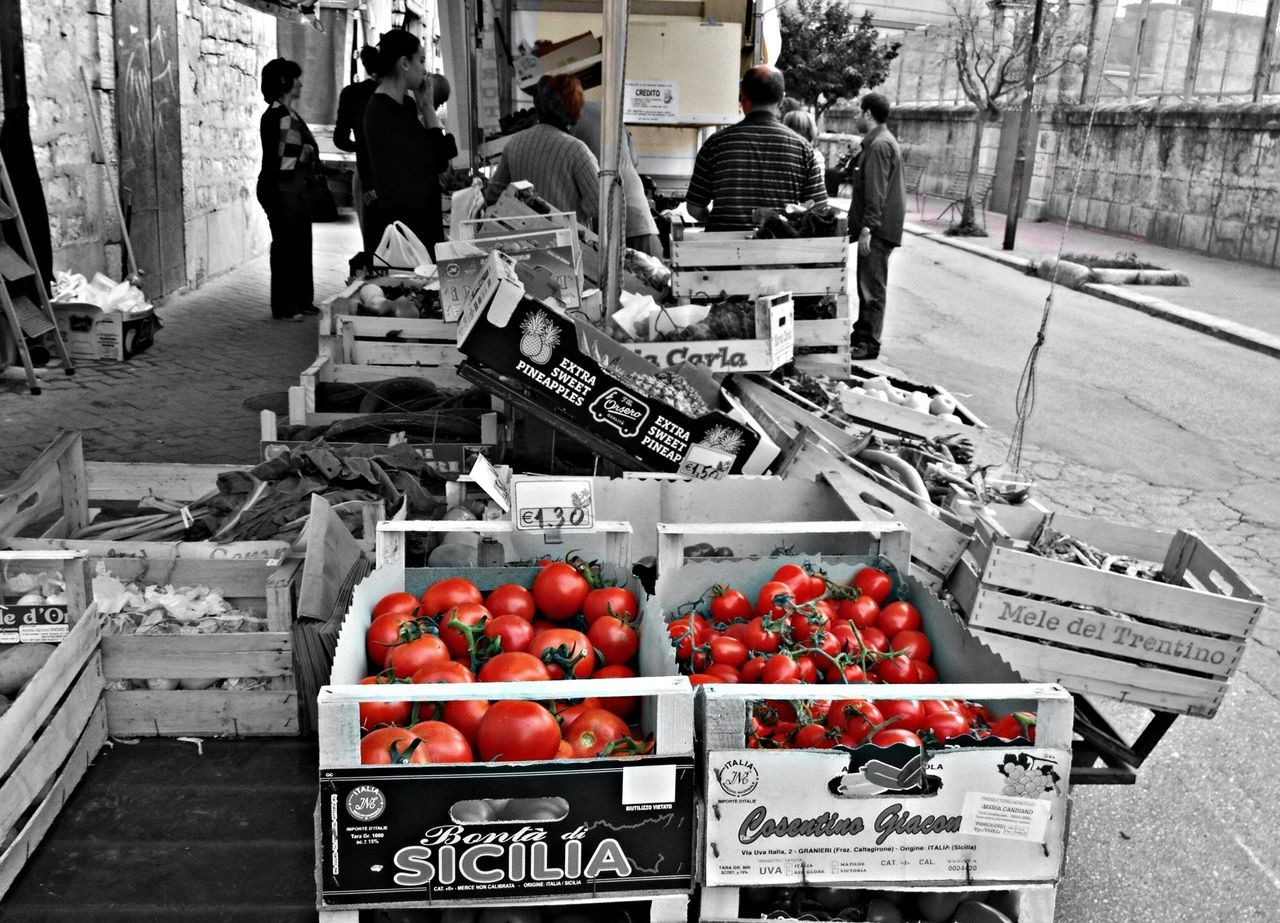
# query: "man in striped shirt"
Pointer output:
{"type": "Point", "coordinates": [757, 163]}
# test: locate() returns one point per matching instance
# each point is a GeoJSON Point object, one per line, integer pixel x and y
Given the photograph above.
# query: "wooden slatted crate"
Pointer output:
{"type": "Point", "coordinates": [667, 713]}
{"type": "Point", "coordinates": [1170, 646]}
{"type": "Point", "coordinates": [771, 348]}
{"type": "Point", "coordinates": [266, 590]}
{"type": "Point", "coordinates": [54, 727]}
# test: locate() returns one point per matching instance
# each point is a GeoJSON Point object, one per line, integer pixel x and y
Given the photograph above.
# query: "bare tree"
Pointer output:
{"type": "Point", "coordinates": [989, 43]}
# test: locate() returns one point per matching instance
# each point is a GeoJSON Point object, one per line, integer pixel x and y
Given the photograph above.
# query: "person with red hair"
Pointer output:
{"type": "Point", "coordinates": [561, 168]}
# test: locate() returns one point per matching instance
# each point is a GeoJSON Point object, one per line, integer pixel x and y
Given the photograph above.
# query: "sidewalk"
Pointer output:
{"type": "Point", "coordinates": [182, 400]}
{"type": "Point", "coordinates": [1235, 292]}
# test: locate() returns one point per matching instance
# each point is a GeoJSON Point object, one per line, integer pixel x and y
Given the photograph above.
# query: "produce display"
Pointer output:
{"type": "Point", "coordinates": [726, 319]}
{"type": "Point", "coordinates": [667, 387]}
{"type": "Point", "coordinates": [410, 301]}
{"type": "Point", "coordinates": [803, 628]}
{"type": "Point", "coordinates": [862, 906]}
{"type": "Point", "coordinates": [1049, 542]}
{"type": "Point", "coordinates": [565, 625]}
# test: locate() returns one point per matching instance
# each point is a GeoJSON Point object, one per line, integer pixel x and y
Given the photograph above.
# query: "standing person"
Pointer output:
{"type": "Point", "coordinates": [562, 169]}
{"type": "Point", "coordinates": [757, 163]}
{"type": "Point", "coordinates": [289, 154]}
{"type": "Point", "coordinates": [641, 230]}
{"type": "Point", "coordinates": [348, 131]}
{"type": "Point", "coordinates": [875, 220]}
{"type": "Point", "coordinates": [408, 150]}
{"type": "Point", "coordinates": [802, 123]}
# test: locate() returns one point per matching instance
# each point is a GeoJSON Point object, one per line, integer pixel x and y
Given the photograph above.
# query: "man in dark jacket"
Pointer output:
{"type": "Point", "coordinates": [875, 220]}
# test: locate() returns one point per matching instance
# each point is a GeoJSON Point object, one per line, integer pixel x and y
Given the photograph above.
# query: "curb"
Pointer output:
{"type": "Point", "coordinates": [1237, 334]}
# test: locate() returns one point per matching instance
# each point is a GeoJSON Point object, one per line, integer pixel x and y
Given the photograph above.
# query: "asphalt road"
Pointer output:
{"type": "Point", "coordinates": [1143, 422]}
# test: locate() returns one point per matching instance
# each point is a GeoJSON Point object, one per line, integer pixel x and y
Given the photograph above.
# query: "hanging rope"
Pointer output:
{"type": "Point", "coordinates": [1025, 399]}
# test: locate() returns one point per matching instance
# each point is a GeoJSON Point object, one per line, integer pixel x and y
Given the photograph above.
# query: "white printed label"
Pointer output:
{"type": "Point", "coordinates": [651, 102]}
{"type": "Point", "coordinates": [542, 504]}
{"type": "Point", "coordinates": [1005, 816]}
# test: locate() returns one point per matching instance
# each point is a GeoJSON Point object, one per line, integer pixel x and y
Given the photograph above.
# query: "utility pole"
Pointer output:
{"type": "Point", "coordinates": [1024, 129]}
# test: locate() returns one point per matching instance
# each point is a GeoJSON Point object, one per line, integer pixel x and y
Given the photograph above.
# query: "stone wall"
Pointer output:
{"type": "Point", "coordinates": [1204, 178]}
{"type": "Point", "coordinates": [222, 48]}
{"type": "Point", "coordinates": [60, 37]}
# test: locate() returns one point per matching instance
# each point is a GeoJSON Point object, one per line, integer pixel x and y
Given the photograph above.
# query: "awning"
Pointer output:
{"type": "Point", "coordinates": [298, 10]}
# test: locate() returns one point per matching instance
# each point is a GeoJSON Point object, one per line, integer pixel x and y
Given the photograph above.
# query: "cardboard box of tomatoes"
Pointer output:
{"type": "Point", "coordinates": [671, 420]}
{"type": "Point", "coordinates": [461, 762]}
{"type": "Point", "coordinates": [825, 671]}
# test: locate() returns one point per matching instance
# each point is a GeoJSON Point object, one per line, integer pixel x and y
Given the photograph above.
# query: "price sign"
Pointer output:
{"type": "Point", "coordinates": [552, 504]}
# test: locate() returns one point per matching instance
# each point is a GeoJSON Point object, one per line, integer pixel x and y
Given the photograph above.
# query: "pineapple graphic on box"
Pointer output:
{"type": "Point", "coordinates": [539, 337]}
{"type": "Point", "coordinates": [726, 440]}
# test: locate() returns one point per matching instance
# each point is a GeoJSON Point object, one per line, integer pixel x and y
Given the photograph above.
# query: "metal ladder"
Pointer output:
{"type": "Point", "coordinates": [26, 319]}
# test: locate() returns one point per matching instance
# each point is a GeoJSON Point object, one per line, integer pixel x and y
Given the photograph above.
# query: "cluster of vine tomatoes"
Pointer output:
{"type": "Point", "coordinates": [823, 725]}
{"type": "Point", "coordinates": [561, 627]}
{"type": "Point", "coordinates": [803, 628]}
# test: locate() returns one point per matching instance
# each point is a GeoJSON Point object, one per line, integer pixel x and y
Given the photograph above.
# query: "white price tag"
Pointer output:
{"type": "Point", "coordinates": [187, 519]}
{"type": "Point", "coordinates": [552, 504]}
{"type": "Point", "coordinates": [1005, 816]}
{"type": "Point", "coordinates": [484, 474]}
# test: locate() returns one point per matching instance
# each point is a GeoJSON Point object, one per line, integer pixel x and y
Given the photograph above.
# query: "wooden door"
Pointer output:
{"type": "Point", "coordinates": [150, 137]}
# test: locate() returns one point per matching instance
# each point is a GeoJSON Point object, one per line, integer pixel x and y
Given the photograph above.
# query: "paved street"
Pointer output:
{"type": "Point", "coordinates": [1136, 420]}
{"type": "Point", "coordinates": [1146, 423]}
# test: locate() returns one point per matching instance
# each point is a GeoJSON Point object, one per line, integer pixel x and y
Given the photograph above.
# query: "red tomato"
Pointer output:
{"type": "Point", "coordinates": [772, 599]}
{"type": "Point", "coordinates": [946, 724]}
{"type": "Point", "coordinates": [780, 669]}
{"type": "Point", "coordinates": [614, 640]}
{"type": "Point", "coordinates": [405, 603]}
{"type": "Point", "coordinates": [569, 713]}
{"type": "Point", "coordinates": [701, 679]}
{"type": "Point", "coordinates": [391, 746]}
{"type": "Point", "coordinates": [862, 612]}
{"type": "Point", "coordinates": [513, 667]}
{"type": "Point", "coordinates": [873, 639]}
{"type": "Point", "coordinates": [511, 599]}
{"type": "Point", "coordinates": [1018, 724]}
{"type": "Point", "coordinates": [813, 737]}
{"type": "Point", "coordinates": [593, 731]}
{"type": "Point", "coordinates": [728, 652]}
{"type": "Point", "coordinates": [563, 650]}
{"type": "Point", "coordinates": [846, 673]}
{"type": "Point", "coordinates": [896, 669]}
{"type": "Point", "coordinates": [910, 714]}
{"type": "Point", "coordinates": [932, 705]}
{"type": "Point", "coordinates": [564, 750]}
{"type": "Point", "coordinates": [516, 730]}
{"type": "Point", "coordinates": [912, 643]}
{"type": "Point", "coordinates": [688, 632]}
{"type": "Point", "coordinates": [511, 630]}
{"type": "Point", "coordinates": [559, 591]}
{"type": "Point", "coordinates": [853, 720]}
{"type": "Point", "coordinates": [752, 670]}
{"type": "Point", "coordinates": [460, 626]}
{"type": "Point", "coordinates": [807, 669]}
{"type": "Point", "coordinates": [726, 673]}
{"type": "Point", "coordinates": [447, 593]}
{"type": "Point", "coordinates": [610, 600]}
{"type": "Point", "coordinates": [874, 583]}
{"type": "Point", "coordinates": [442, 742]}
{"type": "Point", "coordinates": [449, 672]}
{"type": "Point", "coordinates": [737, 630]}
{"type": "Point", "coordinates": [373, 714]}
{"type": "Point", "coordinates": [385, 632]}
{"type": "Point", "coordinates": [797, 580]}
{"type": "Point", "coordinates": [890, 736]}
{"type": "Point", "coordinates": [899, 616]}
{"type": "Point", "coordinates": [407, 659]}
{"type": "Point", "coordinates": [465, 715]}
{"type": "Point", "coordinates": [817, 585]}
{"type": "Point", "coordinates": [925, 673]}
{"type": "Point", "coordinates": [759, 637]}
{"type": "Point", "coordinates": [622, 706]}
{"type": "Point", "coordinates": [728, 605]}
{"type": "Point", "coordinates": [805, 623]}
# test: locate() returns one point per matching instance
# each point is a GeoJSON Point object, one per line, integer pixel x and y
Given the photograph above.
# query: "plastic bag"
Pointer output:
{"type": "Point", "coordinates": [400, 248]}
{"type": "Point", "coordinates": [466, 205]}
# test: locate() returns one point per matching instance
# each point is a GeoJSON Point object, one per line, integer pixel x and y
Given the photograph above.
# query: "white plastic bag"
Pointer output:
{"type": "Point", "coordinates": [466, 205]}
{"type": "Point", "coordinates": [400, 248]}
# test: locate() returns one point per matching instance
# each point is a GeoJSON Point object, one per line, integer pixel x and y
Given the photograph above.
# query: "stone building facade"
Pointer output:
{"type": "Point", "coordinates": [221, 47]}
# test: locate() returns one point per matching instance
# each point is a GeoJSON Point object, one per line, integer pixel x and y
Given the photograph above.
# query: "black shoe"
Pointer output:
{"type": "Point", "coordinates": [861, 352]}
{"type": "Point", "coordinates": [309, 309]}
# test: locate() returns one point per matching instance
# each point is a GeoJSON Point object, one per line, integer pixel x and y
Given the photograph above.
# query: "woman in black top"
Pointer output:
{"type": "Point", "coordinates": [408, 150]}
{"type": "Point", "coordinates": [289, 154]}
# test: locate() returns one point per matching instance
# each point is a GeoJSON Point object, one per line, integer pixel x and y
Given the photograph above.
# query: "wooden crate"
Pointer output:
{"type": "Point", "coordinates": [774, 314]}
{"type": "Point", "coordinates": [265, 590]}
{"type": "Point", "coordinates": [1023, 904]}
{"type": "Point", "coordinates": [1167, 646]}
{"type": "Point", "coordinates": [53, 729]}
{"type": "Point", "coordinates": [667, 712]}
{"type": "Point", "coordinates": [832, 333]}
{"type": "Point", "coordinates": [706, 263]}
{"type": "Point", "coordinates": [60, 493]}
